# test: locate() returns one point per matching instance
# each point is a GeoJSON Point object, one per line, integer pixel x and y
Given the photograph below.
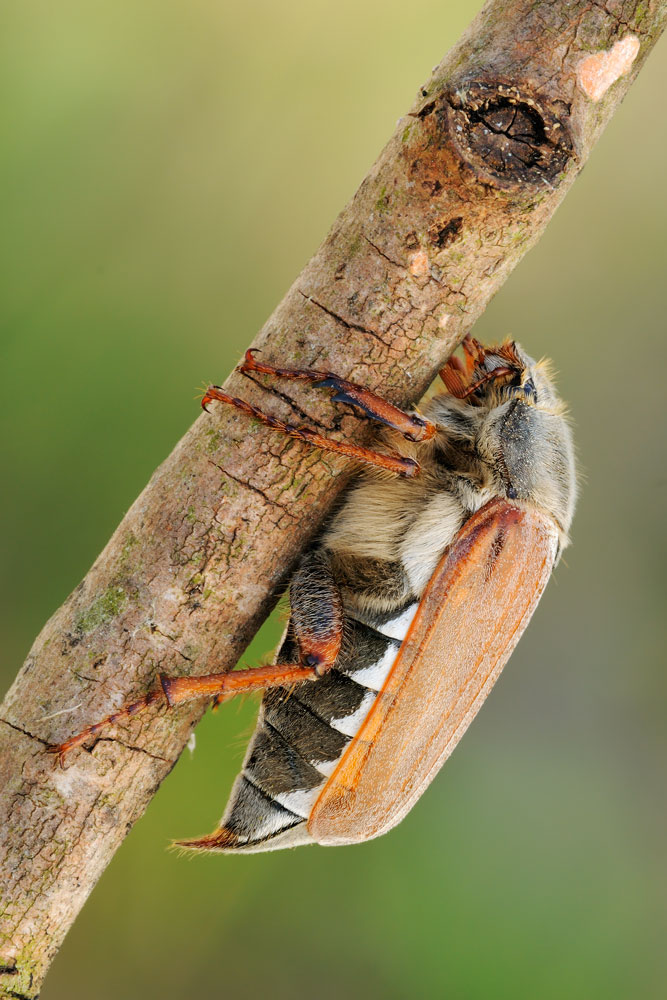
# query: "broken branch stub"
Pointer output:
{"type": "Point", "coordinates": [464, 187]}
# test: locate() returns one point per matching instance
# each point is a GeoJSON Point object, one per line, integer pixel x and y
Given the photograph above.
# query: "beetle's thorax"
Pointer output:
{"type": "Point", "coordinates": [517, 428]}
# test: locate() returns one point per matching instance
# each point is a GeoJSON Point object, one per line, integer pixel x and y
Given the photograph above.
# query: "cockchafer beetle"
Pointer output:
{"type": "Point", "coordinates": [405, 610]}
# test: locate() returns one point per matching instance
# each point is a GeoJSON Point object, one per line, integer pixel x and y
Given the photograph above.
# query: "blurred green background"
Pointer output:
{"type": "Point", "coordinates": [166, 170]}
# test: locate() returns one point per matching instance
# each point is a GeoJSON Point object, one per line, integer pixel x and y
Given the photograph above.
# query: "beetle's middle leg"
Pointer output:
{"type": "Point", "coordinates": [317, 624]}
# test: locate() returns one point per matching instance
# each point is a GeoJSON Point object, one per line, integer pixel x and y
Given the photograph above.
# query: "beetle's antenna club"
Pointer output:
{"type": "Point", "coordinates": [489, 377]}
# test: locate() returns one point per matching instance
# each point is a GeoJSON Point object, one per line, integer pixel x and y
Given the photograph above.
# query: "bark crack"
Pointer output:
{"type": "Point", "coordinates": [25, 732]}
{"type": "Point", "coordinates": [620, 23]}
{"type": "Point", "coordinates": [348, 324]}
{"type": "Point", "coordinates": [128, 746]}
{"type": "Point", "coordinates": [272, 390]}
{"type": "Point", "coordinates": [381, 253]}
{"type": "Point", "coordinates": [270, 501]}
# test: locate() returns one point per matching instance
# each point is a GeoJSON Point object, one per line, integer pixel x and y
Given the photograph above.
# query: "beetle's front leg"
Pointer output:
{"type": "Point", "coordinates": [412, 426]}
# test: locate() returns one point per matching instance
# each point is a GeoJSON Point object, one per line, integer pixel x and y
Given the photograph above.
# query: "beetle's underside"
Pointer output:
{"type": "Point", "coordinates": [405, 611]}
{"type": "Point", "coordinates": [344, 759]}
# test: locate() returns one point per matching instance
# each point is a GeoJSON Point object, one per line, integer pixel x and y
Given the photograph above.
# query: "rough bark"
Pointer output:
{"type": "Point", "coordinates": [463, 189]}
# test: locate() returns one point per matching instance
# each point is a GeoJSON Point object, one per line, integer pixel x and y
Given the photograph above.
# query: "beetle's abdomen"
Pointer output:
{"type": "Point", "coordinates": [301, 735]}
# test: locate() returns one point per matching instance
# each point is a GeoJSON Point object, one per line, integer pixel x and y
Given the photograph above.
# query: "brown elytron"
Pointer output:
{"type": "Point", "coordinates": [472, 614]}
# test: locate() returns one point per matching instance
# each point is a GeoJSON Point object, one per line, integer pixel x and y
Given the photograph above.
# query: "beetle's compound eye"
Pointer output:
{"type": "Point", "coordinates": [529, 390]}
{"type": "Point", "coordinates": [523, 390]}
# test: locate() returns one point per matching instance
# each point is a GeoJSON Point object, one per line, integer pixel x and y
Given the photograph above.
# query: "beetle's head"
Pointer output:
{"type": "Point", "coordinates": [490, 376]}
{"type": "Point", "coordinates": [522, 434]}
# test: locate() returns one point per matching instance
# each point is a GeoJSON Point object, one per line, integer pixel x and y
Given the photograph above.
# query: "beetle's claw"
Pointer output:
{"type": "Point", "coordinates": [208, 397]}
{"type": "Point", "coordinates": [248, 363]}
{"type": "Point", "coordinates": [58, 750]}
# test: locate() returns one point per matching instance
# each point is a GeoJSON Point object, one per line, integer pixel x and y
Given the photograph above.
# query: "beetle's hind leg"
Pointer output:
{"type": "Point", "coordinates": [280, 760]}
{"type": "Point", "coordinates": [412, 426]}
{"type": "Point", "coordinates": [177, 690]}
{"type": "Point", "coordinates": [317, 624]}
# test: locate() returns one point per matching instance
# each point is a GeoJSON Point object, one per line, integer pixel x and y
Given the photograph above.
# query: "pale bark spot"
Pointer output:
{"type": "Point", "coordinates": [419, 264]}
{"type": "Point", "coordinates": [596, 73]}
{"type": "Point", "coordinates": [70, 783]}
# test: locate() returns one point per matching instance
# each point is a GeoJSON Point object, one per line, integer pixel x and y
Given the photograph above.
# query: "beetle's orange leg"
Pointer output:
{"type": "Point", "coordinates": [177, 690]}
{"type": "Point", "coordinates": [316, 625]}
{"type": "Point", "coordinates": [391, 462]}
{"type": "Point", "coordinates": [412, 426]}
{"type": "Point", "coordinates": [126, 712]}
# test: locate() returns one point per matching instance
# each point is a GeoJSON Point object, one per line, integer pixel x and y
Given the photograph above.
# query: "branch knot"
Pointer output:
{"type": "Point", "coordinates": [509, 137]}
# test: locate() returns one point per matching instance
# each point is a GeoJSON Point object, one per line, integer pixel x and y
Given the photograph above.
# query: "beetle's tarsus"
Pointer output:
{"type": "Point", "coordinates": [127, 711]}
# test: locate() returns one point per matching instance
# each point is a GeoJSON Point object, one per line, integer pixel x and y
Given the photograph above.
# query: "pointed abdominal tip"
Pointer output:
{"type": "Point", "coordinates": [220, 840]}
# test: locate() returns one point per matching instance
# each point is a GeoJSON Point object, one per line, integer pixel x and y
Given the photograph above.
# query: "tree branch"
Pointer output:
{"type": "Point", "coordinates": [463, 189]}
